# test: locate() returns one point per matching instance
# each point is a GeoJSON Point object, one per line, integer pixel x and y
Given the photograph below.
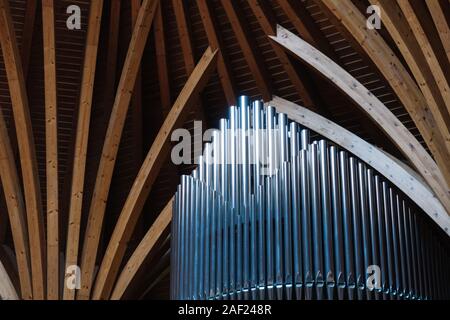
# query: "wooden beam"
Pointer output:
{"type": "Point", "coordinates": [143, 250]}
{"type": "Point", "coordinates": [425, 46]}
{"type": "Point", "coordinates": [51, 143]}
{"type": "Point", "coordinates": [81, 139]}
{"type": "Point", "coordinates": [27, 34]}
{"type": "Point", "coordinates": [268, 26]}
{"type": "Point", "coordinates": [19, 99]}
{"type": "Point", "coordinates": [249, 49]}
{"type": "Point", "coordinates": [111, 144]}
{"type": "Point", "coordinates": [395, 22]}
{"type": "Point", "coordinates": [223, 67]}
{"type": "Point", "coordinates": [417, 191]}
{"type": "Point", "coordinates": [374, 109]}
{"type": "Point", "coordinates": [437, 9]}
{"type": "Point", "coordinates": [305, 25]}
{"type": "Point", "coordinates": [398, 78]}
{"type": "Point", "coordinates": [148, 173]}
{"type": "Point", "coordinates": [7, 290]}
{"type": "Point", "coordinates": [16, 210]}
{"type": "Point", "coordinates": [161, 62]}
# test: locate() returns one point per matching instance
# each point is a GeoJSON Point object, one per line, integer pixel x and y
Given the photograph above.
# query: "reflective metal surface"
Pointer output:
{"type": "Point", "coordinates": [276, 215]}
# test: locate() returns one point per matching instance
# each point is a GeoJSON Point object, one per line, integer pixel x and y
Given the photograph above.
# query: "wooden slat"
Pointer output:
{"type": "Point", "coordinates": [7, 290]}
{"type": "Point", "coordinates": [249, 49]}
{"type": "Point", "coordinates": [425, 46]}
{"type": "Point", "coordinates": [223, 67]}
{"type": "Point", "coordinates": [268, 26]}
{"type": "Point", "coordinates": [374, 109]}
{"type": "Point", "coordinates": [398, 78]}
{"type": "Point", "coordinates": [161, 62]}
{"type": "Point", "coordinates": [437, 9]}
{"type": "Point", "coordinates": [24, 132]}
{"type": "Point", "coordinates": [386, 165]}
{"type": "Point", "coordinates": [51, 143]}
{"type": "Point", "coordinates": [395, 22]}
{"type": "Point", "coordinates": [16, 210]}
{"type": "Point", "coordinates": [148, 173]}
{"type": "Point", "coordinates": [143, 250]}
{"type": "Point", "coordinates": [81, 139]}
{"type": "Point", "coordinates": [111, 144]}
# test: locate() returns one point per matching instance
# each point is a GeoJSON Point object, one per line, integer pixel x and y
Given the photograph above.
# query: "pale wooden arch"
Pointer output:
{"type": "Point", "coordinates": [373, 107]}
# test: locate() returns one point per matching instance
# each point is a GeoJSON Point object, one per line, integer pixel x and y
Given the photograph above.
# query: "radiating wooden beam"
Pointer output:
{"type": "Point", "coordinates": [7, 290]}
{"type": "Point", "coordinates": [161, 62]}
{"type": "Point", "coordinates": [437, 9]}
{"type": "Point", "coordinates": [249, 49]}
{"type": "Point", "coordinates": [267, 24]}
{"type": "Point", "coordinates": [111, 144]}
{"type": "Point", "coordinates": [386, 165]}
{"type": "Point", "coordinates": [425, 46]}
{"type": "Point", "coordinates": [143, 250]}
{"type": "Point", "coordinates": [374, 109]}
{"type": "Point", "coordinates": [51, 144]}
{"type": "Point", "coordinates": [16, 210]}
{"type": "Point", "coordinates": [24, 132]}
{"type": "Point", "coordinates": [148, 173]}
{"type": "Point", "coordinates": [81, 139]}
{"type": "Point", "coordinates": [395, 22]}
{"type": "Point", "coordinates": [398, 78]}
{"type": "Point", "coordinates": [223, 67]}
{"type": "Point", "coordinates": [27, 34]}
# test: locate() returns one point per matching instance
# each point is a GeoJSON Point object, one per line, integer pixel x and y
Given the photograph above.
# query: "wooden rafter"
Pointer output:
{"type": "Point", "coordinates": [16, 210]}
{"type": "Point", "coordinates": [111, 144]}
{"type": "Point", "coordinates": [249, 49]}
{"type": "Point", "coordinates": [148, 173]}
{"type": "Point", "coordinates": [425, 46]}
{"type": "Point", "coordinates": [223, 69]}
{"type": "Point", "coordinates": [143, 250]}
{"type": "Point", "coordinates": [437, 9]}
{"type": "Point", "coordinates": [268, 26]}
{"type": "Point", "coordinates": [51, 142]}
{"type": "Point", "coordinates": [385, 164]}
{"type": "Point", "coordinates": [373, 107]}
{"type": "Point", "coordinates": [81, 140]}
{"type": "Point", "coordinates": [398, 78]}
{"type": "Point", "coordinates": [25, 139]}
{"type": "Point", "coordinates": [395, 22]}
{"type": "Point", "coordinates": [161, 62]}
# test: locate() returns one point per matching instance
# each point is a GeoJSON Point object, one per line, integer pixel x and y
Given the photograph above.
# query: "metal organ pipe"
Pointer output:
{"type": "Point", "coordinates": [271, 214]}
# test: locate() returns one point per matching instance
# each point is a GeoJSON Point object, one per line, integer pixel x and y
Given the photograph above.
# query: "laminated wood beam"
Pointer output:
{"type": "Point", "coordinates": [16, 210]}
{"type": "Point", "coordinates": [147, 175]}
{"type": "Point", "coordinates": [111, 145]}
{"type": "Point", "coordinates": [51, 143]}
{"type": "Point", "coordinates": [81, 139]}
{"type": "Point", "coordinates": [25, 139]}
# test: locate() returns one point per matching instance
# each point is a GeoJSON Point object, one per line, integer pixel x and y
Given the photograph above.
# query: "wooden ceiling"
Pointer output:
{"type": "Point", "coordinates": [133, 72]}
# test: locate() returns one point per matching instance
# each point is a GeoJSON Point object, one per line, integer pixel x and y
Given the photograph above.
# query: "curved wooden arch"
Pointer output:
{"type": "Point", "coordinates": [373, 107]}
{"type": "Point", "coordinates": [390, 168]}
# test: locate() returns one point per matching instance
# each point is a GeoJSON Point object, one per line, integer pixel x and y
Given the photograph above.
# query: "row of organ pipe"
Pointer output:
{"type": "Point", "coordinates": [271, 213]}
